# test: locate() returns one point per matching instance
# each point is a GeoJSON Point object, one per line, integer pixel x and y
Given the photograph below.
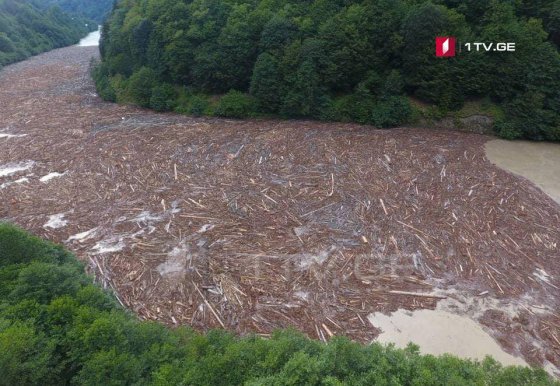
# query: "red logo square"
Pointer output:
{"type": "Point", "coordinates": [445, 46]}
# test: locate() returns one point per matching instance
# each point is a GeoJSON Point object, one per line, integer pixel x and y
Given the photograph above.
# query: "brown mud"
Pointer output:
{"type": "Point", "coordinates": [260, 224]}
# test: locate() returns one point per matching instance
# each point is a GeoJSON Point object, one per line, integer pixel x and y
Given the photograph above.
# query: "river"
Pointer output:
{"type": "Point", "coordinates": [92, 39]}
{"type": "Point", "coordinates": [539, 162]}
{"type": "Point", "coordinates": [323, 227]}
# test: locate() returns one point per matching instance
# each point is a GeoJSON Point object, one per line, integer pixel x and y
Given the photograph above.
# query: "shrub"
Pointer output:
{"type": "Point", "coordinates": [235, 104]}
{"type": "Point", "coordinates": [119, 84]}
{"type": "Point", "coordinates": [106, 90]}
{"type": "Point", "coordinates": [266, 83]}
{"type": "Point", "coordinates": [507, 130]}
{"type": "Point", "coordinates": [198, 106]}
{"type": "Point", "coordinates": [356, 107]}
{"type": "Point", "coordinates": [163, 97]}
{"type": "Point", "coordinates": [100, 75]}
{"type": "Point", "coordinates": [391, 112]}
{"type": "Point", "coordinates": [393, 85]}
{"type": "Point", "coordinates": [527, 116]}
{"type": "Point", "coordinates": [304, 95]}
{"type": "Point", "coordinates": [17, 247]}
{"type": "Point", "coordinates": [139, 87]}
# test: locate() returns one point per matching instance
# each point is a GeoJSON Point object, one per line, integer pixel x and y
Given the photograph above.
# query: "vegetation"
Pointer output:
{"type": "Point", "coordinates": [26, 30]}
{"type": "Point", "coordinates": [345, 60]}
{"type": "Point", "coordinates": [57, 328]}
{"type": "Point", "coordinates": [95, 10]}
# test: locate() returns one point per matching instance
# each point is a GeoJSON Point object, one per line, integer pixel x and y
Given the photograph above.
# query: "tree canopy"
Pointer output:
{"type": "Point", "coordinates": [27, 30]}
{"type": "Point", "coordinates": [318, 58]}
{"type": "Point", "coordinates": [95, 10]}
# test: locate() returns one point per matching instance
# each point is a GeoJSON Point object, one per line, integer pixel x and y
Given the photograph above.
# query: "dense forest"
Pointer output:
{"type": "Point", "coordinates": [57, 328]}
{"type": "Point", "coordinates": [367, 61]}
{"type": "Point", "coordinates": [26, 30]}
{"type": "Point", "coordinates": [95, 10]}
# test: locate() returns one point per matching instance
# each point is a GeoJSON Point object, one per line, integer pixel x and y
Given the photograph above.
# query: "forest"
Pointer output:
{"type": "Point", "coordinates": [365, 61]}
{"type": "Point", "coordinates": [95, 10]}
{"type": "Point", "coordinates": [27, 30]}
{"type": "Point", "coordinates": [58, 328]}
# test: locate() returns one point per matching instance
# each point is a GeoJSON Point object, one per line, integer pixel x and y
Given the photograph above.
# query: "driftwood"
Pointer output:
{"type": "Point", "coordinates": [260, 224]}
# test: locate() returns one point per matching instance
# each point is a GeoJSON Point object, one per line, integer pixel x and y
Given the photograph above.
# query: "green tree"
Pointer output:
{"type": "Point", "coordinates": [25, 356]}
{"type": "Point", "coordinates": [139, 41]}
{"type": "Point", "coordinates": [235, 104]}
{"type": "Point", "coordinates": [304, 95]}
{"type": "Point", "coordinates": [266, 83]}
{"type": "Point", "coordinates": [140, 84]}
{"type": "Point", "coordinates": [278, 33]}
{"type": "Point", "coordinates": [162, 97]}
{"type": "Point", "coordinates": [433, 79]}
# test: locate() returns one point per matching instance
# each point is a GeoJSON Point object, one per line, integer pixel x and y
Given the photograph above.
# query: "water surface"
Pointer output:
{"type": "Point", "coordinates": [92, 39]}
{"type": "Point", "coordinates": [439, 332]}
{"type": "Point", "coordinates": [539, 162]}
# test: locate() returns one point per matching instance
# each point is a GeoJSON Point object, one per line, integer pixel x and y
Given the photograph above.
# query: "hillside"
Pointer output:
{"type": "Point", "coordinates": [26, 30]}
{"type": "Point", "coordinates": [357, 60]}
{"type": "Point", "coordinates": [95, 10]}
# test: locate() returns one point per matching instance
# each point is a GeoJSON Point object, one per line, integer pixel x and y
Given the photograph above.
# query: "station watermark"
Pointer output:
{"type": "Point", "coordinates": [448, 47]}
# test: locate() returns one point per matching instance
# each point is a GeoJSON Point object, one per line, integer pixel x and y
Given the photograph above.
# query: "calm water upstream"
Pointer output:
{"type": "Point", "coordinates": [91, 39]}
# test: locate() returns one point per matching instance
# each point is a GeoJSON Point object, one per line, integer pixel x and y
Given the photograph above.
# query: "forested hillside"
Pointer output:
{"type": "Point", "coordinates": [26, 30]}
{"type": "Point", "coordinates": [344, 60]}
{"type": "Point", "coordinates": [56, 328]}
{"type": "Point", "coordinates": [92, 9]}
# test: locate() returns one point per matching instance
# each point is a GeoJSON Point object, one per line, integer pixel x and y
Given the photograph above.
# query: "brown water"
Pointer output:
{"type": "Point", "coordinates": [453, 327]}
{"type": "Point", "coordinates": [536, 161]}
{"type": "Point", "coordinates": [439, 332]}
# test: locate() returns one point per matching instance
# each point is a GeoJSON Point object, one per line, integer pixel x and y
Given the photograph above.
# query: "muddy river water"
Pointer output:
{"type": "Point", "coordinates": [439, 331]}
{"type": "Point", "coordinates": [536, 161]}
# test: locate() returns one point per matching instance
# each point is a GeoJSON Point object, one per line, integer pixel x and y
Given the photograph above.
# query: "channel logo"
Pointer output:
{"type": "Point", "coordinates": [445, 46]}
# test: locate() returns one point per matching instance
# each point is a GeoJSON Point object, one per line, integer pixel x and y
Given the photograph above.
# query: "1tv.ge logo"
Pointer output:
{"type": "Point", "coordinates": [446, 47]}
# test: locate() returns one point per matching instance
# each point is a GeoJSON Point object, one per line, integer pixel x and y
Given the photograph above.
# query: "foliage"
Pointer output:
{"type": "Point", "coordinates": [56, 328]}
{"type": "Point", "coordinates": [197, 106]}
{"type": "Point", "coordinates": [95, 10]}
{"type": "Point", "coordinates": [27, 29]}
{"type": "Point", "coordinates": [315, 59]}
{"type": "Point", "coordinates": [391, 112]}
{"type": "Point", "coordinates": [265, 82]}
{"type": "Point", "coordinates": [100, 75]}
{"type": "Point", "coordinates": [163, 97]}
{"type": "Point", "coordinates": [139, 86]}
{"type": "Point", "coordinates": [234, 104]}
